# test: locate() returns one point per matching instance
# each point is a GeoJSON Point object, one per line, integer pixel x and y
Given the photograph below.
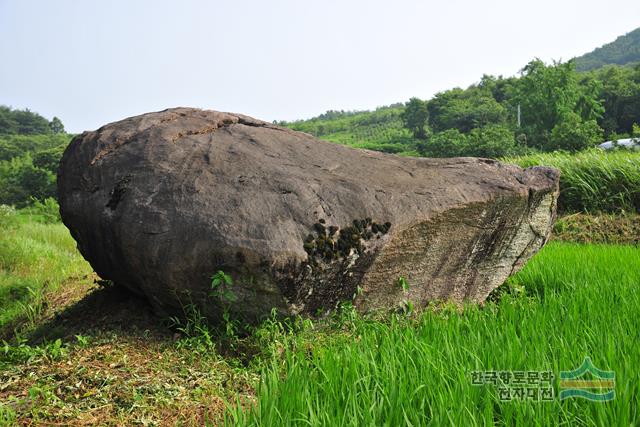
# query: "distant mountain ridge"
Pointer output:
{"type": "Point", "coordinates": [623, 50]}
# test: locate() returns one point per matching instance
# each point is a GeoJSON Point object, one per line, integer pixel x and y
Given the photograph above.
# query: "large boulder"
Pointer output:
{"type": "Point", "coordinates": [159, 203]}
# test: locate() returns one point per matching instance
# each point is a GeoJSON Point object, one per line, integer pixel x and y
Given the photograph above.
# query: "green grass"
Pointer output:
{"type": "Point", "coordinates": [593, 181]}
{"type": "Point", "coordinates": [569, 302]}
{"type": "Point", "coordinates": [35, 258]}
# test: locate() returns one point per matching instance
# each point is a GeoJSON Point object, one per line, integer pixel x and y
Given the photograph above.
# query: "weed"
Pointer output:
{"type": "Point", "coordinates": [221, 284]}
{"type": "Point", "coordinates": [403, 284]}
{"type": "Point", "coordinates": [82, 341]}
{"type": "Point", "coordinates": [21, 352]}
{"type": "Point", "coordinates": [193, 326]}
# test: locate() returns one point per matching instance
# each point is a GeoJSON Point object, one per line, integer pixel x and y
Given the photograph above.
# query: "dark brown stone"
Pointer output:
{"type": "Point", "coordinates": [159, 202]}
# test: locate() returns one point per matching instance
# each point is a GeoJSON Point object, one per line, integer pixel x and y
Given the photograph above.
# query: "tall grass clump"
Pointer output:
{"type": "Point", "coordinates": [569, 302]}
{"type": "Point", "coordinates": [594, 180]}
{"type": "Point", "coordinates": [37, 255]}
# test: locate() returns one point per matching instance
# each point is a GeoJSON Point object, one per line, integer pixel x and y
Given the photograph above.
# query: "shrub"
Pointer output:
{"type": "Point", "coordinates": [20, 181]}
{"type": "Point", "coordinates": [573, 134]}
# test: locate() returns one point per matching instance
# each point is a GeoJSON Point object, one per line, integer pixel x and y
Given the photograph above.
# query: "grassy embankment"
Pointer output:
{"type": "Point", "coordinates": [38, 260]}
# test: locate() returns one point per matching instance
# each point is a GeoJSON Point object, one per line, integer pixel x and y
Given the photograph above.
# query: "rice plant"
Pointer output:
{"type": "Point", "coordinates": [594, 180]}
{"type": "Point", "coordinates": [578, 301]}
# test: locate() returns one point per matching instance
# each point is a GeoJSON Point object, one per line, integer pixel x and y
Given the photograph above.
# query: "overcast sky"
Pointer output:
{"type": "Point", "coordinates": [93, 62]}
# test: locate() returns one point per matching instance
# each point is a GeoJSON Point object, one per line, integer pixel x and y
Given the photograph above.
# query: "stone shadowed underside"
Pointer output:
{"type": "Point", "coordinates": [159, 202]}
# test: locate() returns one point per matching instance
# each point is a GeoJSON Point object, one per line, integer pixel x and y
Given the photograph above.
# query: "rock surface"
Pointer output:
{"type": "Point", "coordinates": [160, 202]}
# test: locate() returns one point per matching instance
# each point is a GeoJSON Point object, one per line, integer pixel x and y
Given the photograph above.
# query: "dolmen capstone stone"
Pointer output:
{"type": "Point", "coordinates": [160, 202]}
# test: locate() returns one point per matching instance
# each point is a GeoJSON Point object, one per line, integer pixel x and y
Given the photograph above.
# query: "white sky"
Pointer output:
{"type": "Point", "coordinates": [93, 62]}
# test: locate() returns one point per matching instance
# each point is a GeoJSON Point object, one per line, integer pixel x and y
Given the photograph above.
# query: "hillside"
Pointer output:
{"type": "Point", "coordinates": [624, 50]}
{"type": "Point", "coordinates": [379, 130]}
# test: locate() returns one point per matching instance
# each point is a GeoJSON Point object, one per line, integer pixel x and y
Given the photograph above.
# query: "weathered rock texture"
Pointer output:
{"type": "Point", "coordinates": [160, 202]}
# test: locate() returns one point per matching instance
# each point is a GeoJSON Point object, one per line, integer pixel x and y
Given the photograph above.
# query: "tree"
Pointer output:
{"type": "Point", "coordinates": [465, 110]}
{"type": "Point", "coordinates": [30, 123]}
{"type": "Point", "coordinates": [620, 94]}
{"type": "Point", "coordinates": [56, 125]}
{"type": "Point", "coordinates": [491, 141]}
{"type": "Point", "coordinates": [449, 143]}
{"type": "Point", "coordinates": [574, 134]}
{"type": "Point", "coordinates": [23, 122]}
{"type": "Point", "coordinates": [415, 117]}
{"type": "Point", "coordinates": [549, 95]}
{"type": "Point", "coordinates": [8, 123]}
{"type": "Point", "coordinates": [20, 180]}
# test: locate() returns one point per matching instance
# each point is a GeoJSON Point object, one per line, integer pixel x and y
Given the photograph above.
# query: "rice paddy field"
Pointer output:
{"type": "Point", "coordinates": [570, 302]}
{"type": "Point", "coordinates": [76, 351]}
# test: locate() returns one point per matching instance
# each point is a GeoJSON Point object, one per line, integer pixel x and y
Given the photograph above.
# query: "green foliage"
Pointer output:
{"type": "Point", "coordinates": [195, 330]}
{"type": "Point", "coordinates": [49, 159]}
{"type": "Point", "coordinates": [56, 125]}
{"type": "Point", "coordinates": [21, 352]}
{"type": "Point", "coordinates": [594, 180]}
{"type": "Point", "coordinates": [403, 284]}
{"type": "Point", "coordinates": [198, 335]}
{"type": "Point", "coordinates": [26, 122]}
{"type": "Point", "coordinates": [83, 341]}
{"type": "Point", "coordinates": [221, 287]}
{"type": "Point", "coordinates": [415, 117]}
{"type": "Point", "coordinates": [465, 110]}
{"type": "Point", "coordinates": [620, 94]}
{"type": "Point", "coordinates": [621, 229]}
{"type": "Point", "coordinates": [489, 141]}
{"type": "Point", "coordinates": [20, 180]}
{"type": "Point", "coordinates": [624, 50]}
{"type": "Point", "coordinates": [561, 109]}
{"type": "Point", "coordinates": [7, 217]}
{"type": "Point", "coordinates": [380, 130]}
{"type": "Point", "coordinates": [417, 370]}
{"type": "Point", "coordinates": [573, 134]}
{"type": "Point", "coordinates": [47, 211]}
{"type": "Point", "coordinates": [448, 143]}
{"type": "Point", "coordinates": [28, 167]}
{"type": "Point", "coordinates": [17, 145]}
{"type": "Point", "coordinates": [550, 95]}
